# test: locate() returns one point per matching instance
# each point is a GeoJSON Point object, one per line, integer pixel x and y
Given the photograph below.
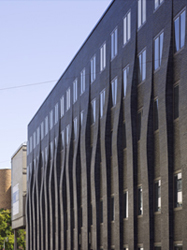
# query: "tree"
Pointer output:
{"type": "Point", "coordinates": [7, 234]}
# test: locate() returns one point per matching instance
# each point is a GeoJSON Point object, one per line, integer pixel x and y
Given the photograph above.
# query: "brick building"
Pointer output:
{"type": "Point", "coordinates": [5, 188]}
{"type": "Point", "coordinates": [107, 149]}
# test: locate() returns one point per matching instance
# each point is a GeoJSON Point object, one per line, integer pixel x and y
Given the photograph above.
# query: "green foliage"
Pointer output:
{"type": "Point", "coordinates": [7, 234]}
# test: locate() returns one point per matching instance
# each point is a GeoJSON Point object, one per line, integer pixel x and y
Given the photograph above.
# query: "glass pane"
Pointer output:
{"type": "Point", "coordinates": [139, 13]}
{"type": "Point", "coordinates": [140, 67]}
{"type": "Point", "coordinates": [104, 55]}
{"type": "Point", "coordinates": [183, 20]}
{"type": "Point", "coordinates": [129, 25]}
{"type": "Point", "coordinates": [112, 45]}
{"type": "Point", "coordinates": [124, 81]}
{"type": "Point", "coordinates": [144, 66]}
{"type": "Point", "coordinates": [156, 53]}
{"type": "Point", "coordinates": [144, 11]}
{"type": "Point", "coordinates": [161, 46]}
{"type": "Point", "coordinates": [177, 34]}
{"type": "Point", "coordinates": [156, 4]}
{"type": "Point", "coordinates": [116, 42]}
{"type": "Point", "coordinates": [125, 30]}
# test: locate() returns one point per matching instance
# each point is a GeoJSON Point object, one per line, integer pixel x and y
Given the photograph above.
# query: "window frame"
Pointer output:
{"type": "Point", "coordinates": [83, 80]}
{"type": "Point", "coordinates": [157, 196]}
{"type": "Point", "coordinates": [142, 66]}
{"type": "Point", "coordinates": [160, 2]}
{"type": "Point", "coordinates": [140, 200]}
{"type": "Point", "coordinates": [56, 113]}
{"type": "Point", "coordinates": [93, 111]}
{"type": "Point", "coordinates": [75, 92]}
{"type": "Point", "coordinates": [179, 35]}
{"type": "Point", "coordinates": [159, 54]}
{"type": "Point", "coordinates": [62, 106]}
{"type": "Point", "coordinates": [114, 90]}
{"type": "Point", "coordinates": [125, 80]}
{"type": "Point", "coordinates": [102, 102]}
{"type": "Point", "coordinates": [127, 27]}
{"type": "Point", "coordinates": [93, 69]}
{"type": "Point", "coordinates": [103, 57]}
{"type": "Point", "coordinates": [176, 190]}
{"type": "Point", "coordinates": [114, 43]}
{"type": "Point", "coordinates": [142, 8]}
{"type": "Point", "coordinates": [68, 99]}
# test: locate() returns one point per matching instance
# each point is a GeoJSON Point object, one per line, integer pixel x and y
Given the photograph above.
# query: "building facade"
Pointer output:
{"type": "Point", "coordinates": [107, 162]}
{"type": "Point", "coordinates": [5, 188]}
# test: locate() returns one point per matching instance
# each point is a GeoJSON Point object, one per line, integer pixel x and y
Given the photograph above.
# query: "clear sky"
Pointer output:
{"type": "Point", "coordinates": [38, 40]}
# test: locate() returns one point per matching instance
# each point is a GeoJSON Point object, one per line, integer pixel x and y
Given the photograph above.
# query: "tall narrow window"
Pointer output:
{"type": "Point", "coordinates": [125, 78]}
{"type": "Point", "coordinates": [139, 118]}
{"type": "Point", "coordinates": [155, 114]}
{"type": "Point", "coordinates": [178, 247]}
{"type": "Point", "coordinates": [56, 113]}
{"type": "Point", "coordinates": [114, 43]}
{"type": "Point", "coordinates": [102, 102]}
{"type": "Point", "coordinates": [114, 86]}
{"type": "Point", "coordinates": [140, 201]}
{"type": "Point", "coordinates": [51, 119]}
{"type": "Point", "coordinates": [112, 209]}
{"type": "Point", "coordinates": [140, 248]}
{"type": "Point", "coordinates": [142, 66]}
{"type": "Point", "coordinates": [82, 117]}
{"type": "Point", "coordinates": [67, 134]}
{"type": "Point", "coordinates": [62, 106]}
{"type": "Point", "coordinates": [38, 135]}
{"type": "Point", "coordinates": [82, 81]}
{"type": "Point", "coordinates": [63, 139]}
{"type": "Point", "coordinates": [127, 28]}
{"type": "Point", "coordinates": [158, 46]}
{"type": "Point", "coordinates": [125, 205]}
{"type": "Point", "coordinates": [34, 139]}
{"type": "Point", "coordinates": [46, 125]}
{"type": "Point", "coordinates": [68, 99]}
{"type": "Point", "coordinates": [176, 102]}
{"type": "Point", "coordinates": [180, 28]}
{"type": "Point", "coordinates": [30, 144]}
{"type": "Point", "coordinates": [178, 190]}
{"type": "Point", "coordinates": [75, 91]}
{"type": "Point", "coordinates": [51, 149]}
{"type": "Point", "coordinates": [157, 196]}
{"type": "Point", "coordinates": [93, 68]}
{"type": "Point", "coordinates": [75, 128]}
{"type": "Point", "coordinates": [42, 130]}
{"type": "Point", "coordinates": [141, 12]}
{"type": "Point", "coordinates": [103, 57]}
{"type": "Point", "coordinates": [93, 111]}
{"type": "Point", "coordinates": [158, 3]}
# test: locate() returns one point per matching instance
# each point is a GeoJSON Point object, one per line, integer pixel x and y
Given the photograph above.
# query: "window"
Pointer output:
{"type": "Point", "coordinates": [93, 111]}
{"type": "Point", "coordinates": [127, 28]}
{"type": "Point", "coordinates": [38, 135]}
{"type": "Point", "coordinates": [179, 24]}
{"type": "Point", "coordinates": [42, 130]}
{"type": "Point", "coordinates": [75, 91]}
{"type": "Point", "coordinates": [75, 128]}
{"type": "Point", "coordinates": [67, 134]}
{"type": "Point", "coordinates": [176, 102]}
{"type": "Point", "coordinates": [114, 86]}
{"type": "Point", "coordinates": [46, 154]}
{"type": "Point", "coordinates": [139, 118]}
{"type": "Point", "coordinates": [141, 12]}
{"type": "Point", "coordinates": [62, 106]}
{"type": "Point", "coordinates": [82, 116]}
{"type": "Point", "coordinates": [34, 139]}
{"type": "Point", "coordinates": [125, 78]}
{"type": "Point", "coordinates": [142, 66]}
{"type": "Point", "coordinates": [140, 248]}
{"type": "Point", "coordinates": [125, 204]}
{"type": "Point", "coordinates": [155, 114]}
{"type": "Point", "coordinates": [102, 102]}
{"type": "Point", "coordinates": [46, 125]}
{"type": "Point", "coordinates": [68, 99]}
{"type": "Point", "coordinates": [178, 190]}
{"type": "Point", "coordinates": [93, 68]}
{"type": "Point", "coordinates": [51, 119]}
{"type": "Point", "coordinates": [63, 139]}
{"type": "Point", "coordinates": [114, 43]}
{"type": "Point", "coordinates": [157, 192]}
{"type": "Point", "coordinates": [158, 43]}
{"type": "Point", "coordinates": [103, 57]}
{"type": "Point", "coordinates": [158, 3]}
{"type": "Point", "coordinates": [178, 247]}
{"type": "Point", "coordinates": [82, 81]}
{"type": "Point", "coordinates": [51, 149]}
{"type": "Point", "coordinates": [30, 144]}
{"type": "Point", "coordinates": [140, 201]}
{"type": "Point", "coordinates": [112, 209]}
{"type": "Point", "coordinates": [56, 113]}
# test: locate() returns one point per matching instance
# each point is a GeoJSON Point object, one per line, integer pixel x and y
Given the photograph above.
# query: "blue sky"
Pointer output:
{"type": "Point", "coordinates": [38, 41]}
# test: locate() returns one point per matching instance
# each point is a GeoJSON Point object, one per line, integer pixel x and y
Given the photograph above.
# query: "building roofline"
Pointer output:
{"type": "Point", "coordinates": [22, 145]}
{"type": "Point", "coordinates": [73, 59]}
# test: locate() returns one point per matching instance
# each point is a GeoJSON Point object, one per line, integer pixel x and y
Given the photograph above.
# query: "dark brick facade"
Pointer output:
{"type": "Point", "coordinates": [75, 196]}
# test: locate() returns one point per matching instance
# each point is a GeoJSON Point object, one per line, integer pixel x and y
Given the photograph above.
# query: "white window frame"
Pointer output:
{"type": "Point", "coordinates": [102, 102]}
{"type": "Point", "coordinates": [127, 28]}
{"type": "Point", "coordinates": [93, 68]}
{"type": "Point", "coordinates": [141, 13]}
{"type": "Point", "coordinates": [68, 99]}
{"type": "Point", "coordinates": [127, 205]}
{"type": "Point", "coordinates": [114, 43]}
{"type": "Point", "coordinates": [46, 125]}
{"type": "Point", "coordinates": [38, 135]}
{"type": "Point", "coordinates": [42, 130]}
{"type": "Point", "coordinates": [142, 65]}
{"type": "Point", "coordinates": [158, 41]}
{"type": "Point", "coordinates": [157, 197]}
{"type": "Point", "coordinates": [103, 57]}
{"type": "Point", "coordinates": [179, 37]}
{"type": "Point", "coordinates": [83, 76]}
{"type": "Point", "coordinates": [75, 90]}
{"type": "Point", "coordinates": [67, 134]}
{"type": "Point", "coordinates": [114, 88]}
{"type": "Point", "coordinates": [125, 80]}
{"type": "Point", "coordinates": [178, 193]}
{"type": "Point", "coordinates": [82, 117]}
{"type": "Point", "coordinates": [75, 128]}
{"type": "Point", "coordinates": [34, 140]}
{"type": "Point", "coordinates": [56, 113]}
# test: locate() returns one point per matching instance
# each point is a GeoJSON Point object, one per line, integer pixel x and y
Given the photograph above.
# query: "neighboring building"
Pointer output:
{"type": "Point", "coordinates": [5, 188]}
{"type": "Point", "coordinates": [19, 189]}
{"type": "Point", "coordinates": [107, 157]}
